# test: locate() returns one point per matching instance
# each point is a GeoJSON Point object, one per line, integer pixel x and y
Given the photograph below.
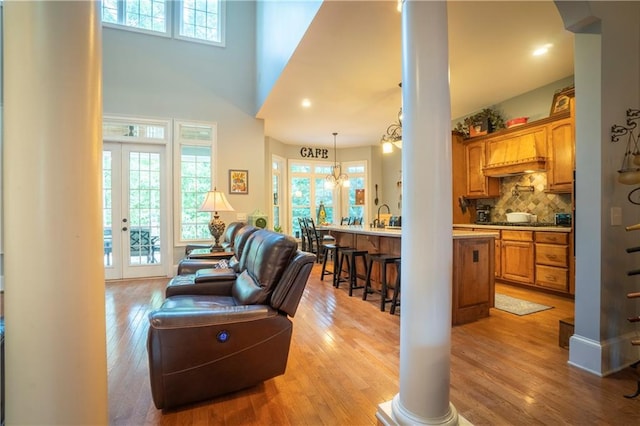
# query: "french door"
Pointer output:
{"type": "Point", "coordinates": [134, 210]}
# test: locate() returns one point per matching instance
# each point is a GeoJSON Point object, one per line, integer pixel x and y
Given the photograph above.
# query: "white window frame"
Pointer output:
{"type": "Point", "coordinates": [146, 131]}
{"type": "Point", "coordinates": [173, 13]}
{"type": "Point", "coordinates": [344, 196]}
{"type": "Point", "coordinates": [312, 164]}
{"type": "Point", "coordinates": [178, 21]}
{"type": "Point", "coordinates": [121, 25]}
{"type": "Point", "coordinates": [281, 172]}
{"type": "Point", "coordinates": [179, 142]}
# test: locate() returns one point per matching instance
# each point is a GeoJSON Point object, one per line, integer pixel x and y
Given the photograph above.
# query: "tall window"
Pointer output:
{"type": "Point", "coordinates": [193, 163]}
{"type": "Point", "coordinates": [195, 20]}
{"type": "Point", "coordinates": [202, 20]}
{"type": "Point", "coordinates": [277, 169]}
{"type": "Point", "coordinates": [145, 15]}
{"type": "Point", "coordinates": [308, 191]}
{"type": "Point", "coordinates": [354, 197]}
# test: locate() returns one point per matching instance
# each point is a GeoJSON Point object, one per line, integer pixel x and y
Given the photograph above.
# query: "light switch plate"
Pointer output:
{"type": "Point", "coordinates": [616, 216]}
{"type": "Point", "coordinates": [242, 217]}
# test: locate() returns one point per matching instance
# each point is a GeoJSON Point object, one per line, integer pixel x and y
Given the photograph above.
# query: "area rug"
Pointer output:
{"type": "Point", "coordinates": [518, 306]}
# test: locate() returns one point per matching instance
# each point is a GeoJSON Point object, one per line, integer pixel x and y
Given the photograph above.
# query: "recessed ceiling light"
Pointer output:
{"type": "Point", "coordinates": [542, 50]}
{"type": "Point", "coordinates": [306, 103]}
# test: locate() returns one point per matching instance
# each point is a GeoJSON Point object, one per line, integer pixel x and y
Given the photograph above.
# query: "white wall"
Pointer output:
{"type": "Point", "coordinates": [603, 94]}
{"type": "Point", "coordinates": [280, 27]}
{"type": "Point", "coordinates": [162, 77]}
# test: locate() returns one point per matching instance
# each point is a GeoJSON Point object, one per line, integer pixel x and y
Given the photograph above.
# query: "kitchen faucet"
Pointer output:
{"type": "Point", "coordinates": [376, 222]}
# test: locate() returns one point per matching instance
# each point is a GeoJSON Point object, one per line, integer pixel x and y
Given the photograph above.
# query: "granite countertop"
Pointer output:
{"type": "Point", "coordinates": [397, 232]}
{"type": "Point", "coordinates": [550, 228]}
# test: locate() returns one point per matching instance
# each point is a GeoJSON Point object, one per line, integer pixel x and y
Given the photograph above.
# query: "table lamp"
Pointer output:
{"type": "Point", "coordinates": [215, 202]}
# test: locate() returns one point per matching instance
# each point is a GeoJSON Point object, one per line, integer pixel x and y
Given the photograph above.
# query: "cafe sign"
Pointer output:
{"type": "Point", "coordinates": [306, 152]}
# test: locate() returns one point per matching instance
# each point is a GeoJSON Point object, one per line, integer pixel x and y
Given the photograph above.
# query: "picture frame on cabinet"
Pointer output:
{"type": "Point", "coordinates": [562, 100]}
{"type": "Point", "coordinates": [238, 181]}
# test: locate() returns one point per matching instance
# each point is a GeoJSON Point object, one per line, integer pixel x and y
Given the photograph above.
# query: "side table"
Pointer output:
{"type": "Point", "coordinates": [208, 254]}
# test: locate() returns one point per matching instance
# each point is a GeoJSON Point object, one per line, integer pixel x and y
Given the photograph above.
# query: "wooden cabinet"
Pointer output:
{"type": "Point", "coordinates": [497, 252]}
{"type": "Point", "coordinates": [473, 280]}
{"type": "Point", "coordinates": [552, 260]}
{"type": "Point", "coordinates": [478, 185]}
{"type": "Point", "coordinates": [561, 156]}
{"type": "Point", "coordinates": [517, 256]}
{"type": "Point", "coordinates": [515, 151]}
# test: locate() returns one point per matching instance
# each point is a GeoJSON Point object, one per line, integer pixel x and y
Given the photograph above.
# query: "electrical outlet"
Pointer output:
{"type": "Point", "coordinates": [241, 217]}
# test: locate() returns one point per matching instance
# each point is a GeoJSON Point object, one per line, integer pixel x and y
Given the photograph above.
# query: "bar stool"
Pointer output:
{"type": "Point", "coordinates": [351, 255]}
{"type": "Point", "coordinates": [333, 250]}
{"type": "Point", "coordinates": [383, 260]}
{"type": "Point", "coordinates": [396, 291]}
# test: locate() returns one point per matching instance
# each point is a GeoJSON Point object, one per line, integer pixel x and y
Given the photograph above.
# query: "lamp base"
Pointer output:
{"type": "Point", "coordinates": [216, 227]}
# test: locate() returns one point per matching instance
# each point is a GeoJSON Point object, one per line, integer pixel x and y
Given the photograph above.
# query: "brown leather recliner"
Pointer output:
{"type": "Point", "coordinates": [202, 346]}
{"type": "Point", "coordinates": [241, 236]}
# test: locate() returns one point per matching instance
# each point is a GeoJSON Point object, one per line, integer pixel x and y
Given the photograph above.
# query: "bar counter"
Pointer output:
{"type": "Point", "coordinates": [397, 232]}
{"type": "Point", "coordinates": [473, 264]}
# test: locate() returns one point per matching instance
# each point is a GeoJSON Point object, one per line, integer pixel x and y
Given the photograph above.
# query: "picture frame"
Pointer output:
{"type": "Point", "coordinates": [562, 100]}
{"type": "Point", "coordinates": [238, 181]}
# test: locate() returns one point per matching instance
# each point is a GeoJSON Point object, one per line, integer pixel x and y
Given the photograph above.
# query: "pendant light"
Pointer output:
{"type": "Point", "coordinates": [393, 136]}
{"type": "Point", "coordinates": [336, 178]}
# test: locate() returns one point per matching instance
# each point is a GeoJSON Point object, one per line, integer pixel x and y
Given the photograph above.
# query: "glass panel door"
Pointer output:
{"type": "Point", "coordinates": [133, 200]}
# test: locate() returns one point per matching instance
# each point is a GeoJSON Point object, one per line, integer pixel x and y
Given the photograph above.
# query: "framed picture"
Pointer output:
{"type": "Point", "coordinates": [562, 100]}
{"type": "Point", "coordinates": [238, 181]}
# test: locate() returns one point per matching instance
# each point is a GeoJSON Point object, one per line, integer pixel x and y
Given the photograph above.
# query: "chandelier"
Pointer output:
{"type": "Point", "coordinates": [393, 135]}
{"type": "Point", "coordinates": [336, 177]}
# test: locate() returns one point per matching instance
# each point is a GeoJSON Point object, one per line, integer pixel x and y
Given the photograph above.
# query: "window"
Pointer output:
{"type": "Point", "coordinates": [276, 187]}
{"type": "Point", "coordinates": [196, 20]}
{"type": "Point", "coordinates": [308, 192]}
{"type": "Point", "coordinates": [354, 202]}
{"type": "Point", "coordinates": [194, 170]}
{"type": "Point", "coordinates": [139, 15]}
{"type": "Point", "coordinates": [201, 20]}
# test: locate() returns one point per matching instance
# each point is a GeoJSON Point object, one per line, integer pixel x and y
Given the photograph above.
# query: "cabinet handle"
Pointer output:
{"type": "Point", "coordinates": [550, 278]}
{"type": "Point", "coordinates": [552, 257]}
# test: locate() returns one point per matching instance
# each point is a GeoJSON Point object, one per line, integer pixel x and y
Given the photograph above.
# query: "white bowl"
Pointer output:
{"type": "Point", "coordinates": [518, 217]}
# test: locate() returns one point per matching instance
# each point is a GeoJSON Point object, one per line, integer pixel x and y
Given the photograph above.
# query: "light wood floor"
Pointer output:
{"type": "Point", "coordinates": [505, 369]}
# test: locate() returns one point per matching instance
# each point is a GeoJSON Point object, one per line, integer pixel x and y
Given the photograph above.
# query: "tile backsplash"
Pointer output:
{"type": "Point", "coordinates": [538, 202]}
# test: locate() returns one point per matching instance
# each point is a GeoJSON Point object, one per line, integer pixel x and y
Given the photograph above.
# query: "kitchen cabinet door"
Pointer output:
{"type": "Point", "coordinates": [561, 160]}
{"type": "Point", "coordinates": [473, 280]}
{"type": "Point", "coordinates": [478, 185]}
{"type": "Point", "coordinates": [517, 261]}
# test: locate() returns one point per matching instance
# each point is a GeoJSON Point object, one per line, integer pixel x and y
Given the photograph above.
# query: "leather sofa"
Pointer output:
{"type": "Point", "coordinates": [235, 335]}
{"type": "Point", "coordinates": [241, 236]}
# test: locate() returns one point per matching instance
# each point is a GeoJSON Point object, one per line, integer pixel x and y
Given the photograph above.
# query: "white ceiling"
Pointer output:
{"type": "Point", "coordinates": [349, 65]}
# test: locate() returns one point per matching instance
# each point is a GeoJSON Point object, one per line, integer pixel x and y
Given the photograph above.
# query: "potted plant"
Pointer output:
{"type": "Point", "coordinates": [486, 121]}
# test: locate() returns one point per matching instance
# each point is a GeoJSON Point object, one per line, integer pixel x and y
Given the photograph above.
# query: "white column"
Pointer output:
{"type": "Point", "coordinates": [425, 322]}
{"type": "Point", "coordinates": [54, 279]}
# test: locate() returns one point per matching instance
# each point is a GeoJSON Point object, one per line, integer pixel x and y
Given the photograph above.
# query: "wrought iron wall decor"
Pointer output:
{"type": "Point", "coordinates": [629, 173]}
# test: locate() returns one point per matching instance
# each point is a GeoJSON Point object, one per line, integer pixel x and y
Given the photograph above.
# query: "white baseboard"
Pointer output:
{"type": "Point", "coordinates": [603, 358]}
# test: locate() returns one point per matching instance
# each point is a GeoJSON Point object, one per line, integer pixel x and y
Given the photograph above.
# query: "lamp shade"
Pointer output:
{"type": "Point", "coordinates": [215, 201]}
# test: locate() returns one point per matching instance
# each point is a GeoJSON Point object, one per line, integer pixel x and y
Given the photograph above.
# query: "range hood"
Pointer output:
{"type": "Point", "coordinates": [516, 154]}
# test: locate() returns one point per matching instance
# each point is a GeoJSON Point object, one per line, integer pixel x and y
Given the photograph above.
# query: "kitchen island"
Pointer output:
{"type": "Point", "coordinates": [473, 264]}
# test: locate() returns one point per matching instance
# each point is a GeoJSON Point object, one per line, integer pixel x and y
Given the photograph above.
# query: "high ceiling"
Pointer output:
{"type": "Point", "coordinates": [348, 65]}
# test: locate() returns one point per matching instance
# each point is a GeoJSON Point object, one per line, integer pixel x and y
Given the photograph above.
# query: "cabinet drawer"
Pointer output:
{"type": "Point", "coordinates": [552, 277]}
{"type": "Point", "coordinates": [552, 254]}
{"type": "Point", "coordinates": [552, 237]}
{"type": "Point", "coordinates": [517, 235]}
